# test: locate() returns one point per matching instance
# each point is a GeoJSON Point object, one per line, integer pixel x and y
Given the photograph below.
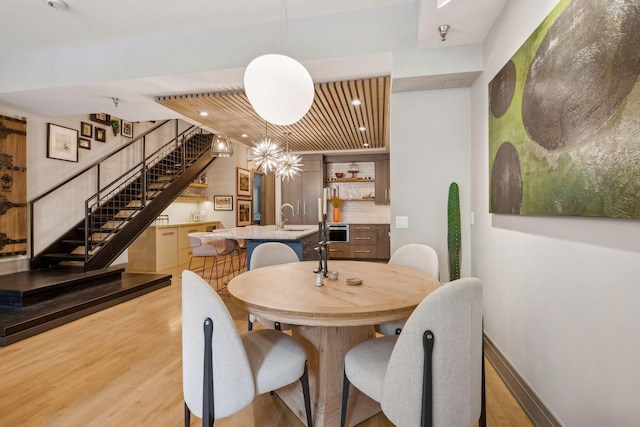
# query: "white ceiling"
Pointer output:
{"type": "Point", "coordinates": [31, 31]}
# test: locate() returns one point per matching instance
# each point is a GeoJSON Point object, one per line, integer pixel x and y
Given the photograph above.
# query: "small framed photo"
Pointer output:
{"type": "Point", "coordinates": [62, 143]}
{"type": "Point", "coordinates": [126, 128]}
{"type": "Point", "coordinates": [84, 143]}
{"type": "Point", "coordinates": [86, 129]}
{"type": "Point", "coordinates": [222, 203]}
{"type": "Point", "coordinates": [101, 118]}
{"type": "Point", "coordinates": [243, 213]}
{"type": "Point", "coordinates": [243, 183]}
{"type": "Point", "coordinates": [101, 134]}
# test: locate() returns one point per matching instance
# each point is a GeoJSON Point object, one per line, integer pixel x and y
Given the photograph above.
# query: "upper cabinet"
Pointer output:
{"type": "Point", "coordinates": [383, 182]}
{"type": "Point", "coordinates": [360, 178]}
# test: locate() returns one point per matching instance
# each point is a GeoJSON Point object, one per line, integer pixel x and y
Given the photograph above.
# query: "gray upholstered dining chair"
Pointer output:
{"type": "Point", "coordinates": [223, 370]}
{"type": "Point", "coordinates": [419, 257]}
{"type": "Point", "coordinates": [265, 254]}
{"type": "Point", "coordinates": [430, 374]}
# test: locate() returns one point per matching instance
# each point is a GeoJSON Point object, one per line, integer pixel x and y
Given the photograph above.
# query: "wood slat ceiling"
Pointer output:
{"type": "Point", "coordinates": [332, 123]}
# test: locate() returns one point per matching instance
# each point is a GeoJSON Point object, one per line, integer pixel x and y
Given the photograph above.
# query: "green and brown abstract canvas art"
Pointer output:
{"type": "Point", "coordinates": [564, 116]}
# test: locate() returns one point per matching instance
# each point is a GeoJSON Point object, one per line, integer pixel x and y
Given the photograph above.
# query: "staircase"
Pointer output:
{"type": "Point", "coordinates": [72, 276]}
{"type": "Point", "coordinates": [121, 210]}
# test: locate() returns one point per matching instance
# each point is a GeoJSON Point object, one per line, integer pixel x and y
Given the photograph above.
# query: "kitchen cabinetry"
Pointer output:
{"type": "Point", "coordinates": [308, 244]}
{"type": "Point", "coordinates": [369, 241]}
{"type": "Point", "coordinates": [164, 246]}
{"type": "Point", "coordinates": [371, 182]}
{"type": "Point", "coordinates": [383, 182]}
{"type": "Point", "coordinates": [155, 249]}
{"type": "Point", "coordinates": [303, 191]}
{"type": "Point", "coordinates": [339, 250]}
{"type": "Point", "coordinates": [383, 242]}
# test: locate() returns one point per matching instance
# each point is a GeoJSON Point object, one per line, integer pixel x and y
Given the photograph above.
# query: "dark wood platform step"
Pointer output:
{"type": "Point", "coordinates": [18, 323]}
{"type": "Point", "coordinates": [30, 287]}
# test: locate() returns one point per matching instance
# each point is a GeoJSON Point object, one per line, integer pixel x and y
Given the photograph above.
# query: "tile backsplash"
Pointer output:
{"type": "Point", "coordinates": [356, 210]}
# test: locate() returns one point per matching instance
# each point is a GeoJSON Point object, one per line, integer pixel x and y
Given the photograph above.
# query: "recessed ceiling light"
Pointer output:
{"type": "Point", "coordinates": [57, 4]}
{"type": "Point", "coordinates": [362, 128]}
{"type": "Point", "coordinates": [356, 102]}
{"type": "Point", "coordinates": [244, 135]}
{"type": "Point", "coordinates": [365, 145]}
{"type": "Point", "coordinates": [203, 113]}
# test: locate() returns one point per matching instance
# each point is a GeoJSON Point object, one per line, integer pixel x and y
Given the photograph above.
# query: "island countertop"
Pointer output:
{"type": "Point", "coordinates": [266, 232]}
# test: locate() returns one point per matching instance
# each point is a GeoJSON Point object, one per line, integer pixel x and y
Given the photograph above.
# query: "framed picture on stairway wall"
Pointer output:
{"type": "Point", "coordinates": [101, 134]}
{"type": "Point", "coordinates": [101, 118]}
{"type": "Point", "coordinates": [126, 129]}
{"type": "Point", "coordinates": [62, 143]}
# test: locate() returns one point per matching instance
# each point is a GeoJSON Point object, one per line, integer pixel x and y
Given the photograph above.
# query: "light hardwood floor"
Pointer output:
{"type": "Point", "coordinates": [122, 367]}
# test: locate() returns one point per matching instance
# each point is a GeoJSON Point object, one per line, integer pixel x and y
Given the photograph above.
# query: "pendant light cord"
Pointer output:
{"type": "Point", "coordinates": [284, 25]}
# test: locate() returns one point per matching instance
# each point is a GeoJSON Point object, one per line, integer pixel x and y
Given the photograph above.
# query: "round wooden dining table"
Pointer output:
{"type": "Point", "coordinates": [330, 320]}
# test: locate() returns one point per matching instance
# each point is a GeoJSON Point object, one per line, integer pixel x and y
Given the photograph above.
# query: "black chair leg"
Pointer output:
{"type": "Point", "coordinates": [345, 399]}
{"type": "Point", "coordinates": [305, 394]}
{"type": "Point", "coordinates": [187, 415]}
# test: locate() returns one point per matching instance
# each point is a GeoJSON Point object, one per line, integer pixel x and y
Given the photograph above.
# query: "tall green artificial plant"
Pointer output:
{"type": "Point", "coordinates": [453, 231]}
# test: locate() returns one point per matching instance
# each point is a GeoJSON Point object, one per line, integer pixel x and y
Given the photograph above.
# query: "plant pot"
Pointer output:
{"type": "Point", "coordinates": [336, 214]}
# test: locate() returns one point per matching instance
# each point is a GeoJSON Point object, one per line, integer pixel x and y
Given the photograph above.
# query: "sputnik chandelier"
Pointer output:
{"type": "Point", "coordinates": [268, 156]}
{"type": "Point", "coordinates": [290, 165]}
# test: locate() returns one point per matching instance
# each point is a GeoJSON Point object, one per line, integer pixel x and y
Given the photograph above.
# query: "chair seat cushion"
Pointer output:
{"type": "Point", "coordinates": [365, 365]}
{"type": "Point", "coordinates": [272, 325]}
{"type": "Point", "coordinates": [390, 328]}
{"type": "Point", "coordinates": [273, 357]}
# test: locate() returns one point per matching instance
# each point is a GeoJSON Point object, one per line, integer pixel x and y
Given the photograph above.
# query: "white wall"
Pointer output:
{"type": "Point", "coordinates": [560, 294]}
{"type": "Point", "coordinates": [430, 134]}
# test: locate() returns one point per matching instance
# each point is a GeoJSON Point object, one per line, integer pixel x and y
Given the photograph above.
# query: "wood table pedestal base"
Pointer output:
{"type": "Point", "coordinates": [326, 348]}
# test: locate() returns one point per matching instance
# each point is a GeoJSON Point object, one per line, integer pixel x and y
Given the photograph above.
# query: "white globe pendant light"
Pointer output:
{"type": "Point", "coordinates": [279, 88]}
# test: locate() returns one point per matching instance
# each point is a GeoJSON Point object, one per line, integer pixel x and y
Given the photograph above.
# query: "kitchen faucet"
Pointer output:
{"type": "Point", "coordinates": [282, 218]}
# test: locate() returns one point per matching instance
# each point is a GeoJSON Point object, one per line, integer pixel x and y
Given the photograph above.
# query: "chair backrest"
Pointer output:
{"type": "Point", "coordinates": [194, 238]}
{"type": "Point", "coordinates": [417, 256]}
{"type": "Point", "coordinates": [233, 385]}
{"type": "Point", "coordinates": [271, 253]}
{"type": "Point", "coordinates": [454, 314]}
{"type": "Point", "coordinates": [205, 244]}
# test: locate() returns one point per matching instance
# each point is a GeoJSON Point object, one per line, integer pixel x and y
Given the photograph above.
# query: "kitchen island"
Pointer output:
{"type": "Point", "coordinates": [301, 238]}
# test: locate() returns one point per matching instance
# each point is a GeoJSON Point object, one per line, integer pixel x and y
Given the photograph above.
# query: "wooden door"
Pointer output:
{"type": "Point", "coordinates": [13, 187]}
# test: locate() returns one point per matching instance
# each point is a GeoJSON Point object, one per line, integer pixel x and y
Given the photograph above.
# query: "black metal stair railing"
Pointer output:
{"type": "Point", "coordinates": [110, 210]}
{"type": "Point", "coordinates": [103, 222]}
